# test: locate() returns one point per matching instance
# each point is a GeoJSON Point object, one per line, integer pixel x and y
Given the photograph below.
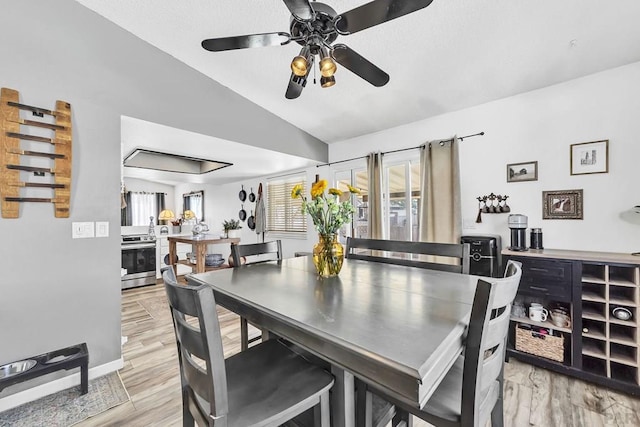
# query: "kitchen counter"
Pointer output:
{"type": "Point", "coordinates": [576, 255]}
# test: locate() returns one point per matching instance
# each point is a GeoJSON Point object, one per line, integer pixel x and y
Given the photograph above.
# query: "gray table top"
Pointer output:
{"type": "Point", "coordinates": [385, 323]}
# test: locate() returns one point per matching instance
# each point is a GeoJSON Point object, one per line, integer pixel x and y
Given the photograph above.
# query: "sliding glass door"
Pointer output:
{"type": "Point", "coordinates": [402, 188]}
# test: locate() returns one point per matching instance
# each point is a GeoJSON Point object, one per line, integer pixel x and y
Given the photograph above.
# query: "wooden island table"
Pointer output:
{"type": "Point", "coordinates": [199, 244]}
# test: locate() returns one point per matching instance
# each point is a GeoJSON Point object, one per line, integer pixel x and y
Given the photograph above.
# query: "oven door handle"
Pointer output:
{"type": "Point", "coordinates": [140, 246]}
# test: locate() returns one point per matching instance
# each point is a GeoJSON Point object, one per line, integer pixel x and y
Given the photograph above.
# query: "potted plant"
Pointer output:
{"type": "Point", "coordinates": [231, 227]}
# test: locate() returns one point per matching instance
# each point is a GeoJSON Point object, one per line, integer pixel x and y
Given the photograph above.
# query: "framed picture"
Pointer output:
{"type": "Point", "coordinates": [517, 172]}
{"type": "Point", "coordinates": [564, 204]}
{"type": "Point", "coordinates": [590, 157]}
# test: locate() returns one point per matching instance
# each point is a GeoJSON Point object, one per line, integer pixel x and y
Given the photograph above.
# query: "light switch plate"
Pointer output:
{"type": "Point", "coordinates": [82, 230]}
{"type": "Point", "coordinates": [102, 229]}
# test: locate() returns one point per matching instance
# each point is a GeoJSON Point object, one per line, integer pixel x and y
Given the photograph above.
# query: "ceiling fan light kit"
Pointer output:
{"type": "Point", "coordinates": [315, 26]}
{"type": "Point", "coordinates": [300, 64]}
{"type": "Point", "coordinates": [327, 81]}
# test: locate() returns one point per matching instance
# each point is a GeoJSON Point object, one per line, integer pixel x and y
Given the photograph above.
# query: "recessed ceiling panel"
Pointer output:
{"type": "Point", "coordinates": [148, 159]}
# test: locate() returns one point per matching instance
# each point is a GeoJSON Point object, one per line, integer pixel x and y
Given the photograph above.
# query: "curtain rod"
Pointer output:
{"type": "Point", "coordinates": [461, 138]}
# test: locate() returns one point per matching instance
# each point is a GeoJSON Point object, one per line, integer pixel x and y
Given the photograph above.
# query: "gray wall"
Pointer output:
{"type": "Point", "coordinates": [56, 291]}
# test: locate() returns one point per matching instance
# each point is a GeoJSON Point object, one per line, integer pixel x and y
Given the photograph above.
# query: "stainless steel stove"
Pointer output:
{"type": "Point", "coordinates": [139, 259]}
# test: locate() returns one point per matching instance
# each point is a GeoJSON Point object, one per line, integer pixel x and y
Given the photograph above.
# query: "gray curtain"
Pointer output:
{"type": "Point", "coordinates": [440, 211]}
{"type": "Point", "coordinates": [374, 173]}
{"type": "Point", "coordinates": [160, 204]}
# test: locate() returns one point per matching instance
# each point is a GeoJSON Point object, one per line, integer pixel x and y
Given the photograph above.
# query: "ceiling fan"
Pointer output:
{"type": "Point", "coordinates": [316, 26]}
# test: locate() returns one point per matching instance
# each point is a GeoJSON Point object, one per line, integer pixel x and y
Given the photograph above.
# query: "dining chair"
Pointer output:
{"type": "Point", "coordinates": [267, 251]}
{"type": "Point", "coordinates": [369, 250]}
{"type": "Point", "coordinates": [471, 391]}
{"type": "Point", "coordinates": [267, 385]}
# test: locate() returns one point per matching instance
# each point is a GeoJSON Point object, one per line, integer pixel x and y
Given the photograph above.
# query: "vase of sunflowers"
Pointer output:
{"type": "Point", "coordinates": [328, 214]}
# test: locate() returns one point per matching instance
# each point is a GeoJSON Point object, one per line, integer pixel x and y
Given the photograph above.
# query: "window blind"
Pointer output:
{"type": "Point", "coordinates": [284, 214]}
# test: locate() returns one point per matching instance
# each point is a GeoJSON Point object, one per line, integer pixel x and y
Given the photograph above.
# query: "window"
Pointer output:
{"type": "Point", "coordinates": [400, 198]}
{"type": "Point", "coordinates": [140, 207]}
{"type": "Point", "coordinates": [284, 214]}
{"type": "Point", "coordinates": [194, 202]}
{"type": "Point", "coordinates": [359, 179]}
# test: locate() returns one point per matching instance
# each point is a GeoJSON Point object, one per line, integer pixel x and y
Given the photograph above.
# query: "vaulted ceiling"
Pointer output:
{"type": "Point", "coordinates": [451, 55]}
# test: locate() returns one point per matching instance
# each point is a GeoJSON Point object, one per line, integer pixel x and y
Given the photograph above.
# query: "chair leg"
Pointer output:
{"type": "Point", "coordinates": [244, 334]}
{"type": "Point", "coordinates": [497, 413]}
{"type": "Point", "coordinates": [187, 417]}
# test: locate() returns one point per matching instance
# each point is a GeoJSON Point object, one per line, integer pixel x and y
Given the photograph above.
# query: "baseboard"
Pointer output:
{"type": "Point", "coordinates": [54, 386]}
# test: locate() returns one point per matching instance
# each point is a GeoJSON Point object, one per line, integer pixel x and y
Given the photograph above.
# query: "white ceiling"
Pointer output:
{"type": "Point", "coordinates": [248, 162]}
{"type": "Point", "coordinates": [451, 55]}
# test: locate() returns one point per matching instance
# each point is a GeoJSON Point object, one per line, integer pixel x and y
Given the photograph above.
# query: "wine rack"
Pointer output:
{"type": "Point", "coordinates": [48, 151]}
{"type": "Point", "coordinates": [599, 347]}
{"type": "Point", "coordinates": [613, 342]}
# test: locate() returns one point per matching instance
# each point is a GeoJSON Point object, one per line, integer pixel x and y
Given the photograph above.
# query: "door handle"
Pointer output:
{"type": "Point", "coordinates": [543, 270]}
{"type": "Point", "coordinates": [538, 288]}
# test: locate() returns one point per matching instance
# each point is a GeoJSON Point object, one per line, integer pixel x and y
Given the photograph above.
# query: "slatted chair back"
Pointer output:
{"type": "Point", "coordinates": [485, 344]}
{"type": "Point", "coordinates": [200, 353]}
{"type": "Point", "coordinates": [268, 251]}
{"type": "Point", "coordinates": [273, 248]}
{"type": "Point", "coordinates": [383, 251]}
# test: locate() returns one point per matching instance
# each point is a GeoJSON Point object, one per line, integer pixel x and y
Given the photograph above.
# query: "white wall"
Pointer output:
{"type": "Point", "coordinates": [541, 125]}
{"type": "Point", "coordinates": [57, 291]}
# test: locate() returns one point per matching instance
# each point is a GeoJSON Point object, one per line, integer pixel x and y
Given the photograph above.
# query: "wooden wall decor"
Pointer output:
{"type": "Point", "coordinates": [11, 154]}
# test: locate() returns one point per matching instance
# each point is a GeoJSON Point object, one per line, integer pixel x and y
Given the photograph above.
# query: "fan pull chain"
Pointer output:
{"type": "Point", "coordinates": [314, 75]}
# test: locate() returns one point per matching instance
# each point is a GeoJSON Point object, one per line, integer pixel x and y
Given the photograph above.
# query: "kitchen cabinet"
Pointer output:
{"type": "Point", "coordinates": [598, 346]}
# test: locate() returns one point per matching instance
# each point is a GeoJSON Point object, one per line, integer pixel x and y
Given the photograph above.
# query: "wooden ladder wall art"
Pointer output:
{"type": "Point", "coordinates": [54, 148]}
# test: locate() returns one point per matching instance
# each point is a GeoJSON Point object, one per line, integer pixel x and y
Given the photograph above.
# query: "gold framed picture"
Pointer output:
{"type": "Point", "coordinates": [562, 204]}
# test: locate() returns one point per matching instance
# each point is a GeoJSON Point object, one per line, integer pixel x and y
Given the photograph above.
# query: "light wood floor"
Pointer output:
{"type": "Point", "coordinates": [533, 396]}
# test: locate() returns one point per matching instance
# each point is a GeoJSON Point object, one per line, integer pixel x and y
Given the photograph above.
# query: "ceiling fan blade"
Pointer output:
{"type": "Point", "coordinates": [301, 9]}
{"type": "Point", "coordinates": [242, 42]}
{"type": "Point", "coordinates": [376, 12]}
{"type": "Point", "coordinates": [354, 62]}
{"type": "Point", "coordinates": [296, 84]}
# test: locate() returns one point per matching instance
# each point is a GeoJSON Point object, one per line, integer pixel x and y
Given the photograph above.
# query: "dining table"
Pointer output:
{"type": "Point", "coordinates": [397, 328]}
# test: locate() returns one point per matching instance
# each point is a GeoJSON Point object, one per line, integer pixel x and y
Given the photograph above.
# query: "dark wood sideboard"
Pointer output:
{"type": "Point", "coordinates": [597, 346]}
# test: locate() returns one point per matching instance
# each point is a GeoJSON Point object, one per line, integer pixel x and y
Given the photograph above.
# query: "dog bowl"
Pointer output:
{"type": "Point", "coordinates": [16, 368]}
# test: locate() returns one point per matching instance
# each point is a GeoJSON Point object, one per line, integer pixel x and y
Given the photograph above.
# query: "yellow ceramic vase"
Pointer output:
{"type": "Point", "coordinates": [328, 255]}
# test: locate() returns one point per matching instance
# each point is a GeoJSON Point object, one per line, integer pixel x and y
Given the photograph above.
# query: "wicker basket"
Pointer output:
{"type": "Point", "coordinates": [548, 346]}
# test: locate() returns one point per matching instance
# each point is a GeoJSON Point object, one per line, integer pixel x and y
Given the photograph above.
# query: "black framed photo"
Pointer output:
{"type": "Point", "coordinates": [518, 172]}
{"type": "Point", "coordinates": [590, 157]}
{"type": "Point", "coordinates": [562, 204]}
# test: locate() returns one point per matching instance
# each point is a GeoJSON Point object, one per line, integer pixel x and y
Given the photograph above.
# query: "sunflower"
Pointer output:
{"type": "Point", "coordinates": [353, 190]}
{"type": "Point", "coordinates": [335, 192]}
{"type": "Point", "coordinates": [318, 188]}
{"type": "Point", "coordinates": [297, 191]}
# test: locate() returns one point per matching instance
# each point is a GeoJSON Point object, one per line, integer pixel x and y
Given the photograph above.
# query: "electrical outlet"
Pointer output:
{"type": "Point", "coordinates": [469, 223]}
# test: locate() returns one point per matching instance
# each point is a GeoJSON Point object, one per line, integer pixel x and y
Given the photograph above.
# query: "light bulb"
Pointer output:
{"type": "Point", "coordinates": [299, 66]}
{"type": "Point", "coordinates": [327, 67]}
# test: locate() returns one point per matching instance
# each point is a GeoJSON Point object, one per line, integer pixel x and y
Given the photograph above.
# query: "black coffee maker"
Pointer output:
{"type": "Point", "coordinates": [518, 226]}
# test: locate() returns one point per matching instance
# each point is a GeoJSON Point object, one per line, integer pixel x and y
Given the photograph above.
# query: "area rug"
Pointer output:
{"type": "Point", "coordinates": [158, 307]}
{"type": "Point", "coordinates": [68, 407]}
